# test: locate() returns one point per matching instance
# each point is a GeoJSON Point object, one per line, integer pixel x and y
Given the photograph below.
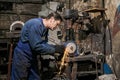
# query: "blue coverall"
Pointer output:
{"type": "Point", "coordinates": [33, 41]}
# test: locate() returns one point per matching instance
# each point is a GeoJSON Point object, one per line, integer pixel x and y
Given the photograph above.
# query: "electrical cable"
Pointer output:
{"type": "Point", "coordinates": [110, 41]}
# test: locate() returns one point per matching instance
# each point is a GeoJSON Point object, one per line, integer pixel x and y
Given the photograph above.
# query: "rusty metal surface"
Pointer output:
{"type": "Point", "coordinates": [15, 34]}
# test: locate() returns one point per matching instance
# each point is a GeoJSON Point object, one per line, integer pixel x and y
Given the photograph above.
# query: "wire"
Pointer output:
{"type": "Point", "coordinates": [111, 47]}
{"type": "Point", "coordinates": [110, 40]}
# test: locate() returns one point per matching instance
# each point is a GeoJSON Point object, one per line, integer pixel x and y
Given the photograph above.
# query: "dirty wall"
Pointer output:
{"type": "Point", "coordinates": [113, 37]}
{"type": "Point", "coordinates": [113, 13]}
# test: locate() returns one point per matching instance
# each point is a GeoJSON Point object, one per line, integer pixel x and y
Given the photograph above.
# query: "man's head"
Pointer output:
{"type": "Point", "coordinates": [53, 20]}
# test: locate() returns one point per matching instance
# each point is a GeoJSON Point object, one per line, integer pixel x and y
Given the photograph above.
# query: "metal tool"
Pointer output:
{"type": "Point", "coordinates": [71, 47]}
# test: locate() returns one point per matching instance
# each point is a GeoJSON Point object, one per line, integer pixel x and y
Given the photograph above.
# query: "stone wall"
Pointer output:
{"type": "Point", "coordinates": [113, 13]}
{"type": "Point", "coordinates": [19, 11]}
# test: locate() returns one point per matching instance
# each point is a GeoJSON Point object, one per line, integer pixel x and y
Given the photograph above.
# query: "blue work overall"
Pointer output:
{"type": "Point", "coordinates": [33, 42]}
{"type": "Point", "coordinates": [24, 65]}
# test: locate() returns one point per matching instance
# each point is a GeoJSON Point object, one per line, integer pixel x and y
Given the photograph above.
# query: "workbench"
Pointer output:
{"type": "Point", "coordinates": [72, 68]}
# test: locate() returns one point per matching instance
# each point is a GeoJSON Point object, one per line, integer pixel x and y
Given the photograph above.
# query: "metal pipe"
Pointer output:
{"type": "Point", "coordinates": [15, 22]}
{"type": "Point", "coordinates": [10, 60]}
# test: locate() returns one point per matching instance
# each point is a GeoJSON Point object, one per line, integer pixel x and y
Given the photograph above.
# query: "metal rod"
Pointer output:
{"type": "Point", "coordinates": [10, 61]}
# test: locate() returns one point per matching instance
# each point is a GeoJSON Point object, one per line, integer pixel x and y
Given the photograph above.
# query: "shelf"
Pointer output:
{"type": "Point", "coordinates": [3, 49]}
{"type": "Point", "coordinates": [4, 64]}
{"type": "Point", "coordinates": [83, 58]}
{"type": "Point", "coordinates": [95, 10]}
{"type": "Point", "coordinates": [82, 73]}
{"type": "Point", "coordinates": [3, 40]}
{"type": "Point", "coordinates": [15, 13]}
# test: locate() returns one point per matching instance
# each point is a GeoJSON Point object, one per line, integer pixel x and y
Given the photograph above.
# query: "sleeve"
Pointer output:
{"type": "Point", "coordinates": [36, 42]}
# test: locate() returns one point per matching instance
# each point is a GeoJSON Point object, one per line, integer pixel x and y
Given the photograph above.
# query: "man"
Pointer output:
{"type": "Point", "coordinates": [33, 41]}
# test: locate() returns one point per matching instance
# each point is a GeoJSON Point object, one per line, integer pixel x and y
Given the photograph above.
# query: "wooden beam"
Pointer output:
{"type": "Point", "coordinates": [23, 1]}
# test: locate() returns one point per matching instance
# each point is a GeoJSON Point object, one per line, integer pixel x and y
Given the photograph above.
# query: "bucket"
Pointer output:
{"type": "Point", "coordinates": [107, 69]}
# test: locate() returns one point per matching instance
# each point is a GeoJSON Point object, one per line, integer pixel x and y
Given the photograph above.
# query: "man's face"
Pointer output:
{"type": "Point", "coordinates": [54, 24]}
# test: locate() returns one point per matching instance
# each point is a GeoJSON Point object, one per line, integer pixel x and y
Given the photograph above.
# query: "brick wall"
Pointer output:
{"type": "Point", "coordinates": [20, 11]}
